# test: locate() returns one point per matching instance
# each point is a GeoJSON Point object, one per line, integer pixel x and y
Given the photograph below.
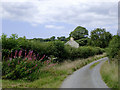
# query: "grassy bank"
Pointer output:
{"type": "Point", "coordinates": [52, 77]}
{"type": "Point", "coordinates": [109, 74]}
{"type": "Point", "coordinates": [92, 66]}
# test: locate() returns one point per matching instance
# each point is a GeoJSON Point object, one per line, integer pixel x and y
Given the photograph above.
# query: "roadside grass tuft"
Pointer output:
{"type": "Point", "coordinates": [93, 65]}
{"type": "Point", "coordinates": [109, 73]}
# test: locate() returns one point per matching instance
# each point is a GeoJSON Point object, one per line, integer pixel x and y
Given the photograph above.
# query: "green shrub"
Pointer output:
{"type": "Point", "coordinates": [83, 41]}
{"type": "Point", "coordinates": [82, 52]}
{"type": "Point", "coordinates": [71, 52]}
{"type": "Point", "coordinates": [9, 43]}
{"type": "Point", "coordinates": [56, 49]}
{"type": "Point", "coordinates": [98, 50]}
{"type": "Point", "coordinates": [87, 51]}
{"type": "Point", "coordinates": [39, 47]}
{"type": "Point", "coordinates": [24, 43]}
{"type": "Point", "coordinates": [114, 47]}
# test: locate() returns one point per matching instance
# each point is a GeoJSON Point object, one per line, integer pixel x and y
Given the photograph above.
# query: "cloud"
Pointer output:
{"type": "Point", "coordinates": [77, 12]}
{"type": "Point", "coordinates": [13, 0]}
{"type": "Point", "coordinates": [53, 27]}
{"type": "Point", "coordinates": [60, 0]}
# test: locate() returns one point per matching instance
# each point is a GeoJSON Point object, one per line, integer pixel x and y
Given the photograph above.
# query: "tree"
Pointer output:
{"type": "Point", "coordinates": [52, 38]}
{"type": "Point", "coordinates": [47, 40]}
{"type": "Point", "coordinates": [14, 36]}
{"type": "Point", "coordinates": [9, 43]}
{"type": "Point", "coordinates": [38, 39]}
{"type": "Point", "coordinates": [100, 38]}
{"type": "Point", "coordinates": [83, 41]}
{"type": "Point", "coordinates": [79, 33]}
{"type": "Point", "coordinates": [114, 47]}
{"type": "Point", "coordinates": [62, 38]}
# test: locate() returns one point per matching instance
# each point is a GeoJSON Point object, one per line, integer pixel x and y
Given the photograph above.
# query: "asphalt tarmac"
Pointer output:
{"type": "Point", "coordinates": [86, 77]}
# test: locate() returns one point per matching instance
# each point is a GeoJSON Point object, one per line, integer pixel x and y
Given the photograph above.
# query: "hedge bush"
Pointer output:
{"type": "Point", "coordinates": [55, 48]}
{"type": "Point", "coordinates": [18, 65]}
{"type": "Point", "coordinates": [70, 52]}
{"type": "Point", "coordinates": [114, 47]}
{"type": "Point", "coordinates": [82, 52]}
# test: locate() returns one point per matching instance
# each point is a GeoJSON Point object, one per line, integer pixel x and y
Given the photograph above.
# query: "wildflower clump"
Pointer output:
{"type": "Point", "coordinates": [27, 67]}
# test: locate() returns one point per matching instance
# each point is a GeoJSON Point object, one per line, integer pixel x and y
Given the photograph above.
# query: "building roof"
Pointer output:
{"type": "Point", "coordinates": [72, 43]}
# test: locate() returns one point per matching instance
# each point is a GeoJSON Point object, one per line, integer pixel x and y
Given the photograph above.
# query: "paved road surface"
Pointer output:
{"type": "Point", "coordinates": [86, 77]}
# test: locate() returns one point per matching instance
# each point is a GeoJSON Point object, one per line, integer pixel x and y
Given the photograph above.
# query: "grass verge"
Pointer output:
{"type": "Point", "coordinates": [109, 73]}
{"type": "Point", "coordinates": [93, 65]}
{"type": "Point", "coordinates": [52, 77]}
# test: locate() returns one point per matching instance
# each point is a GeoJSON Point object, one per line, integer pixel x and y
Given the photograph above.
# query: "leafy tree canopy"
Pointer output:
{"type": "Point", "coordinates": [114, 47]}
{"type": "Point", "coordinates": [83, 41]}
{"type": "Point", "coordinates": [79, 33]}
{"type": "Point", "coordinates": [100, 38]}
{"type": "Point", "coordinates": [52, 38]}
{"type": "Point", "coordinates": [62, 38]}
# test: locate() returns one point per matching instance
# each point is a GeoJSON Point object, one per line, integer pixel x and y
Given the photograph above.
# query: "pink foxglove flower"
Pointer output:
{"type": "Point", "coordinates": [25, 53]}
{"type": "Point", "coordinates": [42, 57]}
{"type": "Point", "coordinates": [49, 58]}
{"type": "Point", "coordinates": [31, 53]}
{"type": "Point", "coordinates": [20, 53]}
{"type": "Point", "coordinates": [10, 59]}
{"type": "Point", "coordinates": [37, 55]}
{"type": "Point", "coordinates": [15, 54]}
{"type": "Point", "coordinates": [34, 58]}
{"type": "Point", "coordinates": [29, 58]}
{"type": "Point", "coordinates": [18, 62]}
{"type": "Point", "coordinates": [36, 65]}
{"type": "Point", "coordinates": [48, 61]}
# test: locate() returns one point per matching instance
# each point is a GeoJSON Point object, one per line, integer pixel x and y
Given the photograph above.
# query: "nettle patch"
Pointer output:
{"type": "Point", "coordinates": [24, 65]}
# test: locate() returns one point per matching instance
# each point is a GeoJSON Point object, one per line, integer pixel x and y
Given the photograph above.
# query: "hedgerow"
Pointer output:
{"type": "Point", "coordinates": [114, 47]}
{"type": "Point", "coordinates": [23, 58]}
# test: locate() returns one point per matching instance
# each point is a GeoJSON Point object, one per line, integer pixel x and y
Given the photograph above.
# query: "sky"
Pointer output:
{"type": "Point", "coordinates": [47, 18]}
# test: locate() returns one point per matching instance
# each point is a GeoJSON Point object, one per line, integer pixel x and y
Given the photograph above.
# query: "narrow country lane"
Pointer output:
{"type": "Point", "coordinates": [86, 77]}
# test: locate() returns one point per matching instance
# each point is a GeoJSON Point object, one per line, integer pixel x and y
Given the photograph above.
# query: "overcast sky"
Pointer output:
{"type": "Point", "coordinates": [46, 18]}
